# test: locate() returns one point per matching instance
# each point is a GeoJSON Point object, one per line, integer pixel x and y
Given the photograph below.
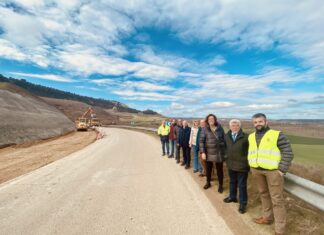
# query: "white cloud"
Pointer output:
{"type": "Point", "coordinates": [50, 77]}
{"type": "Point", "coordinates": [104, 81]}
{"type": "Point", "coordinates": [264, 106]}
{"type": "Point", "coordinates": [223, 104]}
{"type": "Point", "coordinates": [10, 51]}
{"type": "Point", "coordinates": [176, 106]}
{"type": "Point", "coordinates": [146, 86]}
{"type": "Point", "coordinates": [88, 88]}
{"type": "Point", "coordinates": [140, 95]}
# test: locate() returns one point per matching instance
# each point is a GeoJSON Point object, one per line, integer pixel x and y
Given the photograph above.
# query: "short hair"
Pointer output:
{"type": "Point", "coordinates": [258, 115]}
{"type": "Point", "coordinates": [235, 121]}
{"type": "Point", "coordinates": [210, 115]}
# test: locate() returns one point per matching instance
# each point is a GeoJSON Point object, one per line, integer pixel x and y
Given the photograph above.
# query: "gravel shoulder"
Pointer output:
{"type": "Point", "coordinates": [21, 159]}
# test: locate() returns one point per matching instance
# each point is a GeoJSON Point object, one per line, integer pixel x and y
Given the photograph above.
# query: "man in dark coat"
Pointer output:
{"type": "Point", "coordinates": [237, 145]}
{"type": "Point", "coordinates": [184, 136]}
{"type": "Point", "coordinates": [176, 132]}
{"type": "Point", "coordinates": [212, 149]}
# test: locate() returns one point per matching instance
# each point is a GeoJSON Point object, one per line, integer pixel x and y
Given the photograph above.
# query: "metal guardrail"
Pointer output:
{"type": "Point", "coordinates": [304, 189]}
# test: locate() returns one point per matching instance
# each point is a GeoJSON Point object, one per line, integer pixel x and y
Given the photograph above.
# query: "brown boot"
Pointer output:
{"type": "Point", "coordinates": [262, 220]}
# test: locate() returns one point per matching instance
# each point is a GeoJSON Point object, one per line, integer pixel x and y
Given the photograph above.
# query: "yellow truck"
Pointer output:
{"type": "Point", "coordinates": [82, 124]}
{"type": "Point", "coordinates": [95, 122]}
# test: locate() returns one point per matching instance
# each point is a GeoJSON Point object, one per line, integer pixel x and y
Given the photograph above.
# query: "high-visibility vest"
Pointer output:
{"type": "Point", "coordinates": [267, 155]}
{"type": "Point", "coordinates": [164, 130]}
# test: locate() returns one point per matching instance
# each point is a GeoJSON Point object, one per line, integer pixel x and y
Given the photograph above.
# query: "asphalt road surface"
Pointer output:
{"type": "Point", "coordinates": [117, 185]}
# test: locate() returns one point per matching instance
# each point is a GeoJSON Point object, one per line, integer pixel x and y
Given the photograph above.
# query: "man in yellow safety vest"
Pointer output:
{"type": "Point", "coordinates": [269, 157]}
{"type": "Point", "coordinates": [163, 132]}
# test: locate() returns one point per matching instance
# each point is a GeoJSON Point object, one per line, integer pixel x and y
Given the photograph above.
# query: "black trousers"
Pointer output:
{"type": "Point", "coordinates": [238, 180]}
{"type": "Point", "coordinates": [186, 155]}
{"type": "Point", "coordinates": [219, 169]}
{"type": "Point", "coordinates": [178, 153]}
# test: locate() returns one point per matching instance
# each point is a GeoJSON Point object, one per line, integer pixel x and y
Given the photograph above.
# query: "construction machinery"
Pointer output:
{"type": "Point", "coordinates": [83, 123]}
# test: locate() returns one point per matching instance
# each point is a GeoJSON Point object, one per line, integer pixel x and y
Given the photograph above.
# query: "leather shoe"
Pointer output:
{"type": "Point", "coordinates": [220, 189]}
{"type": "Point", "coordinates": [182, 164]}
{"type": "Point", "coordinates": [207, 185]}
{"type": "Point", "coordinates": [228, 200]}
{"type": "Point", "coordinates": [178, 162]}
{"type": "Point", "coordinates": [187, 167]}
{"type": "Point", "coordinates": [242, 209]}
{"type": "Point", "coordinates": [262, 220]}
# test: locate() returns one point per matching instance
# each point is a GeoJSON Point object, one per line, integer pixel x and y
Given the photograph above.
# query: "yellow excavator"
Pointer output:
{"type": "Point", "coordinates": [83, 123]}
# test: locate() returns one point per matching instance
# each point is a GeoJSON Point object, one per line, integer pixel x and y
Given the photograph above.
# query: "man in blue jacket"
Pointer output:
{"type": "Point", "coordinates": [184, 137]}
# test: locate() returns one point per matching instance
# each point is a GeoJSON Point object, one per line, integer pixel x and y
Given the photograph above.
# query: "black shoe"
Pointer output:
{"type": "Point", "coordinates": [182, 164]}
{"type": "Point", "coordinates": [228, 200]}
{"type": "Point", "coordinates": [170, 156]}
{"type": "Point", "coordinates": [163, 154]}
{"type": "Point", "coordinates": [220, 189]}
{"type": "Point", "coordinates": [207, 185]}
{"type": "Point", "coordinates": [187, 167]}
{"type": "Point", "coordinates": [178, 162]}
{"type": "Point", "coordinates": [242, 209]}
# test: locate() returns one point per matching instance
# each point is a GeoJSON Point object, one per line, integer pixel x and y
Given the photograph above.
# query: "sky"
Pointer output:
{"type": "Point", "coordinates": [180, 58]}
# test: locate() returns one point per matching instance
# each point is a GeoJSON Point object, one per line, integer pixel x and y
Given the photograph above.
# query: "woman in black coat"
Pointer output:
{"type": "Point", "coordinates": [212, 148]}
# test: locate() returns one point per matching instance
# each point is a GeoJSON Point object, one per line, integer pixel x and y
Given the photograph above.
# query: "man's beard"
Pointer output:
{"type": "Point", "coordinates": [260, 128]}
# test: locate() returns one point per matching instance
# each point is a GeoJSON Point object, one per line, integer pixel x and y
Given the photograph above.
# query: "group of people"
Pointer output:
{"type": "Point", "coordinates": [267, 153]}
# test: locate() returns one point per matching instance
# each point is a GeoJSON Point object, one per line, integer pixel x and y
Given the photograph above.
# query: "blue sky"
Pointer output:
{"type": "Point", "coordinates": [180, 58]}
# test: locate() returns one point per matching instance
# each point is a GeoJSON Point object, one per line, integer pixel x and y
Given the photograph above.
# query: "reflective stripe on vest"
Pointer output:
{"type": "Point", "coordinates": [267, 155]}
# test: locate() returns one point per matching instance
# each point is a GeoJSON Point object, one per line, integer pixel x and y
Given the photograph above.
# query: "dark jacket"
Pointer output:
{"type": "Point", "coordinates": [198, 139]}
{"type": "Point", "coordinates": [237, 152]}
{"type": "Point", "coordinates": [213, 144]}
{"type": "Point", "coordinates": [171, 135]}
{"type": "Point", "coordinates": [284, 146]}
{"type": "Point", "coordinates": [176, 133]}
{"type": "Point", "coordinates": [184, 136]}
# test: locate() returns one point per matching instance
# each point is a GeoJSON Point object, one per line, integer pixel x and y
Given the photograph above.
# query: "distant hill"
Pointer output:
{"type": "Point", "coordinates": [49, 92]}
{"type": "Point", "coordinates": [74, 109]}
{"type": "Point", "coordinates": [149, 112]}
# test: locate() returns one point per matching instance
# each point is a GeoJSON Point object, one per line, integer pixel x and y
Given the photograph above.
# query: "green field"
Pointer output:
{"type": "Point", "coordinates": [309, 154]}
{"type": "Point", "coordinates": [307, 150]}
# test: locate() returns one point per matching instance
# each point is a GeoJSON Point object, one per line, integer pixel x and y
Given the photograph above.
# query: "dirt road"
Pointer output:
{"type": "Point", "coordinates": [116, 185]}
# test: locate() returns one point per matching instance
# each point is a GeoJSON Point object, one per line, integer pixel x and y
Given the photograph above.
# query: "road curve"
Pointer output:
{"type": "Point", "coordinates": [117, 185]}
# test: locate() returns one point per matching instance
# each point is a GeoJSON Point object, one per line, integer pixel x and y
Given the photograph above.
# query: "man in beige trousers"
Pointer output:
{"type": "Point", "coordinates": [269, 157]}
